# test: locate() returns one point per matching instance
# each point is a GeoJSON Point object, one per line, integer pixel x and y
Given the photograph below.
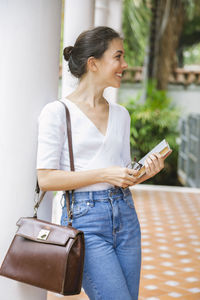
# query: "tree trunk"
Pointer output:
{"type": "Point", "coordinates": [166, 26]}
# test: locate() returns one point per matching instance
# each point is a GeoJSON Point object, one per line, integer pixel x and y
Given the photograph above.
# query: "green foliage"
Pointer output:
{"type": "Point", "coordinates": [151, 122]}
{"type": "Point", "coordinates": [192, 55]}
{"type": "Point", "coordinates": [136, 23]}
{"type": "Point", "coordinates": [136, 18]}
{"type": "Point", "coordinates": [192, 8]}
{"type": "Point", "coordinates": [189, 41]}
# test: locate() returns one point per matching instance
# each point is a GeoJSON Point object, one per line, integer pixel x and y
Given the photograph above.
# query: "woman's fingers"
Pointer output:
{"type": "Point", "coordinates": [132, 172]}
{"type": "Point", "coordinates": [130, 177]}
{"type": "Point", "coordinates": [154, 163]}
{"type": "Point", "coordinates": [126, 182]}
{"type": "Point", "coordinates": [130, 182]}
{"type": "Point", "coordinates": [161, 160]}
{"type": "Point", "coordinates": [148, 165]}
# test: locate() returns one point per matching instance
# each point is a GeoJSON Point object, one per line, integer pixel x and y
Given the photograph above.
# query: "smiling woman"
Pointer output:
{"type": "Point", "coordinates": [112, 64]}
{"type": "Point", "coordinates": [103, 207]}
{"type": "Point", "coordinates": [90, 44]}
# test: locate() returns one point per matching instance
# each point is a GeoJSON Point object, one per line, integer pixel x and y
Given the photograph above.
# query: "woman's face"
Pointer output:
{"type": "Point", "coordinates": [112, 64]}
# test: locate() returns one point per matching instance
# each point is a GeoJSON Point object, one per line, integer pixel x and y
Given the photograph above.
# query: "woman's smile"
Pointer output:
{"type": "Point", "coordinates": [119, 75]}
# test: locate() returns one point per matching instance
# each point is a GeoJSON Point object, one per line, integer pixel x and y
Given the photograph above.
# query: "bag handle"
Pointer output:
{"type": "Point", "coordinates": [71, 158]}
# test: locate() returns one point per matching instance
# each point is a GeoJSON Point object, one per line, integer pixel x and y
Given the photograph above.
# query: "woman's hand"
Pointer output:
{"type": "Point", "coordinates": [154, 164]}
{"type": "Point", "coordinates": [121, 177]}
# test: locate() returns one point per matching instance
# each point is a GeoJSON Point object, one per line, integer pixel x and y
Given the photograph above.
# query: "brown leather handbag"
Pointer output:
{"type": "Point", "coordinates": [44, 254]}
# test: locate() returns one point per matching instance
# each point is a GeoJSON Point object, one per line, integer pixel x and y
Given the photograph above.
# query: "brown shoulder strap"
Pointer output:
{"type": "Point", "coordinates": [69, 136]}
{"type": "Point", "coordinates": [71, 158]}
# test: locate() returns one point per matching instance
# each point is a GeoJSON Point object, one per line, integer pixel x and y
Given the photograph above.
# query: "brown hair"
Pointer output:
{"type": "Point", "coordinates": [89, 43]}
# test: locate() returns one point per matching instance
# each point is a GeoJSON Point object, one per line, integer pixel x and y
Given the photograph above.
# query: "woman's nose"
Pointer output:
{"type": "Point", "coordinates": [124, 64]}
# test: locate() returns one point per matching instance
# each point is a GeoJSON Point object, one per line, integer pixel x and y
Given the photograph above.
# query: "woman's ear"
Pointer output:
{"type": "Point", "coordinates": [91, 64]}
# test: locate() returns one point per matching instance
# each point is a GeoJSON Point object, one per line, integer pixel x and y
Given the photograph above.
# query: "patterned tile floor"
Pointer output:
{"type": "Point", "coordinates": [170, 225]}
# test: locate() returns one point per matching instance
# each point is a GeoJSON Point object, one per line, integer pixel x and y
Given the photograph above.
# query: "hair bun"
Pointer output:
{"type": "Point", "coordinates": [67, 52]}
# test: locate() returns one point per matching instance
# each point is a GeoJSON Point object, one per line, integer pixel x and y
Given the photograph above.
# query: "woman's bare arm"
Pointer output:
{"type": "Point", "coordinates": [58, 180]}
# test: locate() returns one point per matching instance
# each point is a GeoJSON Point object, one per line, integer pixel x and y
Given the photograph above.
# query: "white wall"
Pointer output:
{"type": "Point", "coordinates": [188, 99]}
{"type": "Point", "coordinates": [29, 65]}
{"type": "Point", "coordinates": [101, 13]}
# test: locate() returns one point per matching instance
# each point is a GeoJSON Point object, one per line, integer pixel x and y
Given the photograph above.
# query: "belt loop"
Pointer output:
{"type": "Point", "coordinates": [122, 190]}
{"type": "Point", "coordinates": [110, 193]}
{"type": "Point", "coordinates": [91, 195]}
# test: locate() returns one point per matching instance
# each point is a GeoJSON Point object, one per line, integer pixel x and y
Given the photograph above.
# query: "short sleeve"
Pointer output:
{"type": "Point", "coordinates": [51, 134]}
{"type": "Point", "coordinates": [126, 148]}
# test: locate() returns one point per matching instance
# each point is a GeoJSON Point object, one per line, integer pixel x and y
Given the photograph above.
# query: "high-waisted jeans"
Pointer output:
{"type": "Point", "coordinates": [112, 243]}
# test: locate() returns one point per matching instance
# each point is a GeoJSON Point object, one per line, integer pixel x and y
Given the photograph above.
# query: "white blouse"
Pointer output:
{"type": "Point", "coordinates": [92, 150]}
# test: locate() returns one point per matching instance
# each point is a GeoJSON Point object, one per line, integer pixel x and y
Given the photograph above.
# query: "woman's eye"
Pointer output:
{"type": "Point", "coordinates": [118, 57]}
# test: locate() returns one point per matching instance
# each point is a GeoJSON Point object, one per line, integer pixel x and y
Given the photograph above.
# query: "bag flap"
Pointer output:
{"type": "Point", "coordinates": [45, 232]}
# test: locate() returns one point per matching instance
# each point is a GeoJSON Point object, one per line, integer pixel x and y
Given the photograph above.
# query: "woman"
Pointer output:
{"type": "Point", "coordinates": [104, 209]}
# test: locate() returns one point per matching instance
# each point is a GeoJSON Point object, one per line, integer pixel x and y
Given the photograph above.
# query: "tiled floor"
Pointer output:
{"type": "Point", "coordinates": [170, 225]}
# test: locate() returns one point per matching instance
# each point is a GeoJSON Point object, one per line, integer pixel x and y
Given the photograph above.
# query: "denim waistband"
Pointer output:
{"type": "Point", "coordinates": [101, 195]}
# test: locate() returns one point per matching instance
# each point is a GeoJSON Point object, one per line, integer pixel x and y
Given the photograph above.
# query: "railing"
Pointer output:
{"type": "Point", "coordinates": [189, 152]}
{"type": "Point", "coordinates": [179, 76]}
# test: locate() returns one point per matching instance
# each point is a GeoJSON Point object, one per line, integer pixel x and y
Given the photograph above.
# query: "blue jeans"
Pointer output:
{"type": "Point", "coordinates": [112, 243]}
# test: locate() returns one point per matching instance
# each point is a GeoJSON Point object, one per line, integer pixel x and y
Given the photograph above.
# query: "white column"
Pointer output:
{"type": "Point", "coordinates": [115, 15]}
{"type": "Point", "coordinates": [78, 16]}
{"type": "Point", "coordinates": [29, 60]}
{"type": "Point", "coordinates": [114, 21]}
{"type": "Point", "coordinates": [101, 13]}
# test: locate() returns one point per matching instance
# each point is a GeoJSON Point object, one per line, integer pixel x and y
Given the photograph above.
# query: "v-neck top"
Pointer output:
{"type": "Point", "coordinates": [91, 148]}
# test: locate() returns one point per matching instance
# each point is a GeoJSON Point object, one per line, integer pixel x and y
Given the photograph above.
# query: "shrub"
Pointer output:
{"type": "Point", "coordinates": [151, 122]}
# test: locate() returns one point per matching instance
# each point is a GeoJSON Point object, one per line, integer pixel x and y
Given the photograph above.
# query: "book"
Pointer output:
{"type": "Point", "coordinates": [163, 148]}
